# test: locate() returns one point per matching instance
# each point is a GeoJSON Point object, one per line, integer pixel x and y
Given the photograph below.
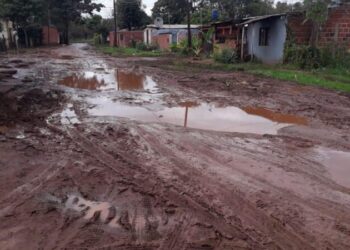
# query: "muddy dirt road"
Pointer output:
{"type": "Point", "coordinates": [133, 153]}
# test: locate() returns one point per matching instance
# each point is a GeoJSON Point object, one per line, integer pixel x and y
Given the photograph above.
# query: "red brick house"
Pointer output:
{"type": "Point", "coordinates": [126, 38]}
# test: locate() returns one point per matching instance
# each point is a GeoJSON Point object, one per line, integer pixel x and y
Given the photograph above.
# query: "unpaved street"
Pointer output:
{"type": "Point", "coordinates": [136, 153]}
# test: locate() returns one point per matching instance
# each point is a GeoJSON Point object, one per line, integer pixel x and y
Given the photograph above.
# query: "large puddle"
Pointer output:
{"type": "Point", "coordinates": [337, 164]}
{"type": "Point", "coordinates": [110, 79]}
{"type": "Point", "coordinates": [193, 115]}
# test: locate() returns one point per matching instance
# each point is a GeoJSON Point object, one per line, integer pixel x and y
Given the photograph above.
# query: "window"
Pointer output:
{"type": "Point", "coordinates": [121, 37]}
{"type": "Point", "coordinates": [264, 37]}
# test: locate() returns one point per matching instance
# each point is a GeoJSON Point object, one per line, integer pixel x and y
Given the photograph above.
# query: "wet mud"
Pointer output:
{"type": "Point", "coordinates": [99, 152]}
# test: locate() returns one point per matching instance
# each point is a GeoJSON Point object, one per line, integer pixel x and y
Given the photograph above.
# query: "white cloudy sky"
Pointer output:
{"type": "Point", "coordinates": [106, 12]}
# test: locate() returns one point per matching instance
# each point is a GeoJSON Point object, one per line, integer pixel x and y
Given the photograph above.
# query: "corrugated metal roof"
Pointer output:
{"type": "Point", "coordinates": [260, 18]}
{"type": "Point", "coordinates": [173, 26]}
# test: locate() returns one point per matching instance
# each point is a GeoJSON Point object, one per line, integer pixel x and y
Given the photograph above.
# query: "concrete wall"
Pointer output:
{"type": "Point", "coordinates": [273, 53]}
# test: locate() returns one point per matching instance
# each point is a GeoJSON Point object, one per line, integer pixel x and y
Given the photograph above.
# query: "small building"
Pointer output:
{"type": "Point", "coordinates": [263, 37]}
{"type": "Point", "coordinates": [126, 38]}
{"type": "Point", "coordinates": [50, 35]}
{"type": "Point", "coordinates": [164, 35]}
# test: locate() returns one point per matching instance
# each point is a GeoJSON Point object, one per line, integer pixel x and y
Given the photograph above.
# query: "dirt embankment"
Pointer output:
{"type": "Point", "coordinates": [115, 183]}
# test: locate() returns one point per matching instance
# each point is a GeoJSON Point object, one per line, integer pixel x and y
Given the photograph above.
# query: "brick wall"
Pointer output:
{"type": "Point", "coordinates": [337, 27]}
{"type": "Point", "coordinates": [163, 41]}
{"type": "Point", "coordinates": [335, 30]}
{"type": "Point", "coordinates": [125, 38]}
{"type": "Point", "coordinates": [50, 36]}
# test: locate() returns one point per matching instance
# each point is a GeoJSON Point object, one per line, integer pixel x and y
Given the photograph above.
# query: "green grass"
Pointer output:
{"type": "Point", "coordinates": [124, 52]}
{"type": "Point", "coordinates": [330, 78]}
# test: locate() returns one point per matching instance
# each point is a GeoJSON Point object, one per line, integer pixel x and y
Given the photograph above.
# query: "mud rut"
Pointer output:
{"type": "Point", "coordinates": [161, 186]}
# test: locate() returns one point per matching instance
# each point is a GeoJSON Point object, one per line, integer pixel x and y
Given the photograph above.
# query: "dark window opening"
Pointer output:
{"type": "Point", "coordinates": [121, 37]}
{"type": "Point", "coordinates": [264, 37]}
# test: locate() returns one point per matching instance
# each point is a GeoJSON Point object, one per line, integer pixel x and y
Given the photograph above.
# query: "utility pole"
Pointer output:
{"type": "Point", "coordinates": [189, 32]}
{"type": "Point", "coordinates": [115, 22]}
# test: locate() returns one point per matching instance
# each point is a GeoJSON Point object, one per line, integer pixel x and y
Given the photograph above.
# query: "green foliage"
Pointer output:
{"type": "Point", "coordinates": [317, 10]}
{"type": "Point", "coordinates": [97, 39]}
{"type": "Point", "coordinates": [131, 15]}
{"type": "Point", "coordinates": [144, 47]}
{"type": "Point", "coordinates": [171, 11]}
{"type": "Point", "coordinates": [309, 57]}
{"type": "Point", "coordinates": [126, 52]}
{"type": "Point", "coordinates": [226, 56]}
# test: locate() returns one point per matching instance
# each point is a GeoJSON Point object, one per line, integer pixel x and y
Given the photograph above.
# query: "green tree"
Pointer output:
{"type": "Point", "coordinates": [23, 13]}
{"type": "Point", "coordinates": [131, 15]}
{"type": "Point", "coordinates": [66, 11]}
{"type": "Point", "coordinates": [317, 13]}
{"type": "Point", "coordinates": [171, 11]}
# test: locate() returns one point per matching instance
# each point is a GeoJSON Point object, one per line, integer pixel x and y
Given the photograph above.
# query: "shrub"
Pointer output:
{"type": "Point", "coordinates": [307, 57]}
{"type": "Point", "coordinates": [144, 47]}
{"type": "Point", "coordinates": [226, 56]}
{"type": "Point", "coordinates": [141, 46]}
{"type": "Point", "coordinates": [97, 39]}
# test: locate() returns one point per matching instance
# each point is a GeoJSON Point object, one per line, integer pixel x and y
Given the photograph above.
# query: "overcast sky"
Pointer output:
{"type": "Point", "coordinates": [107, 11]}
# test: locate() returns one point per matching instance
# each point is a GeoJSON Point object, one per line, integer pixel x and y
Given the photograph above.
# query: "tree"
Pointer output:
{"type": "Point", "coordinates": [171, 11]}
{"type": "Point", "coordinates": [131, 15]}
{"type": "Point", "coordinates": [317, 13]}
{"type": "Point", "coordinates": [23, 13]}
{"type": "Point", "coordinates": [66, 11]}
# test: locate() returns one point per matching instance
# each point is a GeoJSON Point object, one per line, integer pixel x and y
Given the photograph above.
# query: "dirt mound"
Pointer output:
{"type": "Point", "coordinates": [32, 106]}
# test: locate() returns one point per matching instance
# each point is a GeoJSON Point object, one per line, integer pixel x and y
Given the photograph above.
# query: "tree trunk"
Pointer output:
{"type": "Point", "coordinates": [66, 33]}
{"type": "Point", "coordinates": [26, 38]}
{"type": "Point", "coordinates": [314, 35]}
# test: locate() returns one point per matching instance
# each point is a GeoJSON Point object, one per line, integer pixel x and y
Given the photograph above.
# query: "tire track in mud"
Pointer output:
{"type": "Point", "coordinates": [329, 210]}
{"type": "Point", "coordinates": [150, 183]}
{"type": "Point", "coordinates": [254, 218]}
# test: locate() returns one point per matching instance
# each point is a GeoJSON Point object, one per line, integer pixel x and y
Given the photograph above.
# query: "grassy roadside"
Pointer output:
{"type": "Point", "coordinates": [127, 51]}
{"type": "Point", "coordinates": [335, 79]}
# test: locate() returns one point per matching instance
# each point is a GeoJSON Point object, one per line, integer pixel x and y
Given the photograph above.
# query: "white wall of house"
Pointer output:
{"type": "Point", "coordinates": [272, 52]}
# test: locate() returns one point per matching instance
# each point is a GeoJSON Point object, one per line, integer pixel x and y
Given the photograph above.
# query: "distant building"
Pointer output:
{"type": "Point", "coordinates": [164, 35]}
{"type": "Point", "coordinates": [264, 37]}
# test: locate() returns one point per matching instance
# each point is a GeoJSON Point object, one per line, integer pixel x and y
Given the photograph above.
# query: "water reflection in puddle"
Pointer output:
{"type": "Point", "coordinates": [192, 115]}
{"type": "Point", "coordinates": [276, 117]}
{"type": "Point", "coordinates": [337, 164]}
{"type": "Point", "coordinates": [118, 79]}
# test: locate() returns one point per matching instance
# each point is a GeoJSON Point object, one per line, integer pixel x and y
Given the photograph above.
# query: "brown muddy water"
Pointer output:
{"type": "Point", "coordinates": [337, 164]}
{"type": "Point", "coordinates": [110, 79]}
{"type": "Point", "coordinates": [193, 115]}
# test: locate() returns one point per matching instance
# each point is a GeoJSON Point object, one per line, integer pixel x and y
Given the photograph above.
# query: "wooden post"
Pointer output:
{"type": "Point", "coordinates": [242, 44]}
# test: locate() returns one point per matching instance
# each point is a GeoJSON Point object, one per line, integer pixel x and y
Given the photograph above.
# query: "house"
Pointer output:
{"type": "Point", "coordinates": [263, 37]}
{"type": "Point", "coordinates": [164, 35]}
{"type": "Point", "coordinates": [226, 33]}
{"type": "Point", "coordinates": [126, 38]}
